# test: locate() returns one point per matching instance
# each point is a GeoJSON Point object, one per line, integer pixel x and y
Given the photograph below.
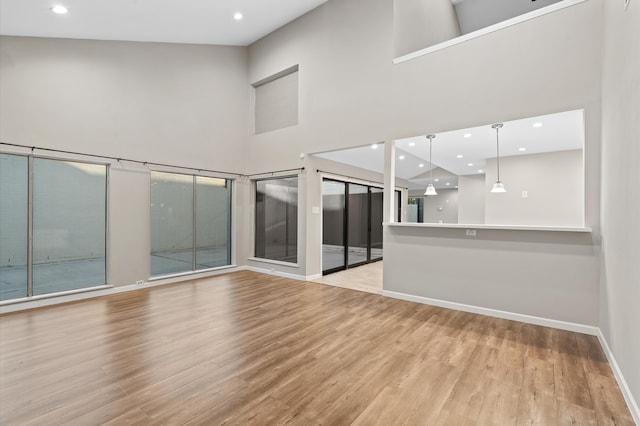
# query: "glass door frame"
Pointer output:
{"type": "Point", "coordinates": [345, 228]}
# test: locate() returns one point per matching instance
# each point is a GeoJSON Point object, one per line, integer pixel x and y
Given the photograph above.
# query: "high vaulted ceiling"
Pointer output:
{"type": "Point", "coordinates": [172, 21]}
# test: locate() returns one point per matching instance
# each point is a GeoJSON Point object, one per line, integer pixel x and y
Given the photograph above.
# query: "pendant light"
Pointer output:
{"type": "Point", "coordinates": [498, 186]}
{"type": "Point", "coordinates": [431, 190]}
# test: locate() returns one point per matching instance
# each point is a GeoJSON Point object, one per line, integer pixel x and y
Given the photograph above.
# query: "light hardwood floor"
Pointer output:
{"type": "Point", "coordinates": [246, 348]}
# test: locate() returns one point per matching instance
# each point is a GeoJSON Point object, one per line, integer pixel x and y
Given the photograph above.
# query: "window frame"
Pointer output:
{"type": "Point", "coordinates": [230, 239]}
{"type": "Point", "coordinates": [254, 188]}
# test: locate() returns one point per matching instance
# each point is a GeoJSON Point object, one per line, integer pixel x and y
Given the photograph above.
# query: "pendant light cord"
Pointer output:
{"type": "Point", "coordinates": [498, 150]}
{"type": "Point", "coordinates": [430, 163]}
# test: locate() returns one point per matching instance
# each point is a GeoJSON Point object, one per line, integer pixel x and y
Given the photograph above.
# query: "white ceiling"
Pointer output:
{"type": "Point", "coordinates": [172, 21]}
{"type": "Point", "coordinates": [559, 132]}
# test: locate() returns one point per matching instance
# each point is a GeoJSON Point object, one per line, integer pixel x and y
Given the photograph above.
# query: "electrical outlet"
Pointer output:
{"type": "Point", "coordinates": [525, 194]}
{"type": "Point", "coordinates": [140, 282]}
{"type": "Point", "coordinates": [471, 232]}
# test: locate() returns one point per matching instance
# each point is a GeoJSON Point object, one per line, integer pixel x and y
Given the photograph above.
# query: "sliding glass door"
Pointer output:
{"type": "Point", "coordinates": [52, 226]}
{"type": "Point", "coordinates": [190, 223]}
{"type": "Point", "coordinates": [376, 210]}
{"type": "Point", "coordinates": [358, 224]}
{"type": "Point", "coordinates": [333, 225]}
{"type": "Point", "coordinates": [351, 225]}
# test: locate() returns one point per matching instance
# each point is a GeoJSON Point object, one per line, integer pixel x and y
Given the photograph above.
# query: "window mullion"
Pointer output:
{"type": "Point", "coordinates": [193, 225]}
{"type": "Point", "coordinates": [30, 227]}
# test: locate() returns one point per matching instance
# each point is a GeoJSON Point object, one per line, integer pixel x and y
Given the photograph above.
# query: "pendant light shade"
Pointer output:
{"type": "Point", "coordinates": [498, 187]}
{"type": "Point", "coordinates": [431, 190]}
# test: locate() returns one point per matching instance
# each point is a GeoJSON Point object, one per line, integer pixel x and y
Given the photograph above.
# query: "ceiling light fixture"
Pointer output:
{"type": "Point", "coordinates": [237, 16]}
{"type": "Point", "coordinates": [59, 9]}
{"type": "Point", "coordinates": [421, 165]}
{"type": "Point", "coordinates": [412, 144]}
{"type": "Point", "coordinates": [470, 164]}
{"type": "Point", "coordinates": [498, 186]}
{"type": "Point", "coordinates": [522, 149]}
{"type": "Point", "coordinates": [448, 183]}
{"type": "Point", "coordinates": [401, 157]}
{"type": "Point", "coordinates": [436, 180]}
{"type": "Point", "coordinates": [480, 171]}
{"type": "Point", "coordinates": [538, 124]}
{"type": "Point", "coordinates": [467, 135]}
{"type": "Point", "coordinates": [374, 146]}
{"type": "Point", "coordinates": [431, 190]}
{"type": "Point", "coordinates": [459, 156]}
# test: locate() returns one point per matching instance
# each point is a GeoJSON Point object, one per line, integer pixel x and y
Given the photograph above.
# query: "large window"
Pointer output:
{"type": "Point", "coordinates": [60, 206]}
{"type": "Point", "coordinates": [276, 230]}
{"type": "Point", "coordinates": [190, 223]}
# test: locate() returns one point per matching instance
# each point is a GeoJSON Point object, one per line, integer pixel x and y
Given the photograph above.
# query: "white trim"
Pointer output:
{"type": "Point", "coordinates": [487, 30]}
{"type": "Point", "coordinates": [187, 274]}
{"type": "Point", "coordinates": [622, 383]}
{"type": "Point", "coordinates": [83, 294]}
{"type": "Point", "coordinates": [274, 272]}
{"type": "Point", "coordinates": [275, 262]}
{"type": "Point", "coordinates": [313, 277]}
{"type": "Point", "coordinates": [359, 181]}
{"type": "Point", "coordinates": [529, 319]}
{"type": "Point", "coordinates": [52, 295]}
{"type": "Point", "coordinates": [491, 227]}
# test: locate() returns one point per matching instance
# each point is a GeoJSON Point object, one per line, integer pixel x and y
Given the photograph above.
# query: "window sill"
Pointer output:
{"type": "Point", "coordinates": [275, 262]}
{"type": "Point", "coordinates": [491, 227]}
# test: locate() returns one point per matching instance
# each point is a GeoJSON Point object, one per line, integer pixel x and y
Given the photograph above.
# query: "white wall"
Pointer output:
{"type": "Point", "coordinates": [552, 275]}
{"type": "Point", "coordinates": [422, 23]}
{"type": "Point", "coordinates": [441, 208]}
{"type": "Point", "coordinates": [620, 273]}
{"type": "Point", "coordinates": [167, 103]}
{"type": "Point", "coordinates": [471, 198]}
{"type": "Point", "coordinates": [351, 94]}
{"type": "Point", "coordinates": [129, 229]}
{"type": "Point", "coordinates": [554, 183]}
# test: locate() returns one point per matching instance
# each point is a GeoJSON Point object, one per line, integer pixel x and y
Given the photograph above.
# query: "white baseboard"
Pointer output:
{"type": "Point", "coordinates": [89, 294]}
{"type": "Point", "coordinates": [624, 386]}
{"type": "Point", "coordinates": [529, 319]}
{"type": "Point", "coordinates": [313, 277]}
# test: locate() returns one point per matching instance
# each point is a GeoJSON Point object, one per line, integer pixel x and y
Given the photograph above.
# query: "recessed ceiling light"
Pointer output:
{"type": "Point", "coordinates": [480, 171]}
{"type": "Point", "coordinates": [467, 135]}
{"type": "Point", "coordinates": [374, 146]}
{"type": "Point", "coordinates": [448, 183]}
{"type": "Point", "coordinates": [401, 157]}
{"type": "Point", "coordinates": [522, 149]}
{"type": "Point", "coordinates": [459, 156]}
{"type": "Point", "coordinates": [59, 9]}
{"type": "Point", "coordinates": [538, 124]}
{"type": "Point", "coordinates": [470, 164]}
{"type": "Point", "coordinates": [237, 16]}
{"type": "Point", "coordinates": [421, 165]}
{"type": "Point", "coordinates": [412, 144]}
{"type": "Point", "coordinates": [436, 180]}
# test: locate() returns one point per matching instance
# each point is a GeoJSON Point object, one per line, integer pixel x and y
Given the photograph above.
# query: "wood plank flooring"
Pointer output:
{"type": "Point", "coordinates": [246, 348]}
